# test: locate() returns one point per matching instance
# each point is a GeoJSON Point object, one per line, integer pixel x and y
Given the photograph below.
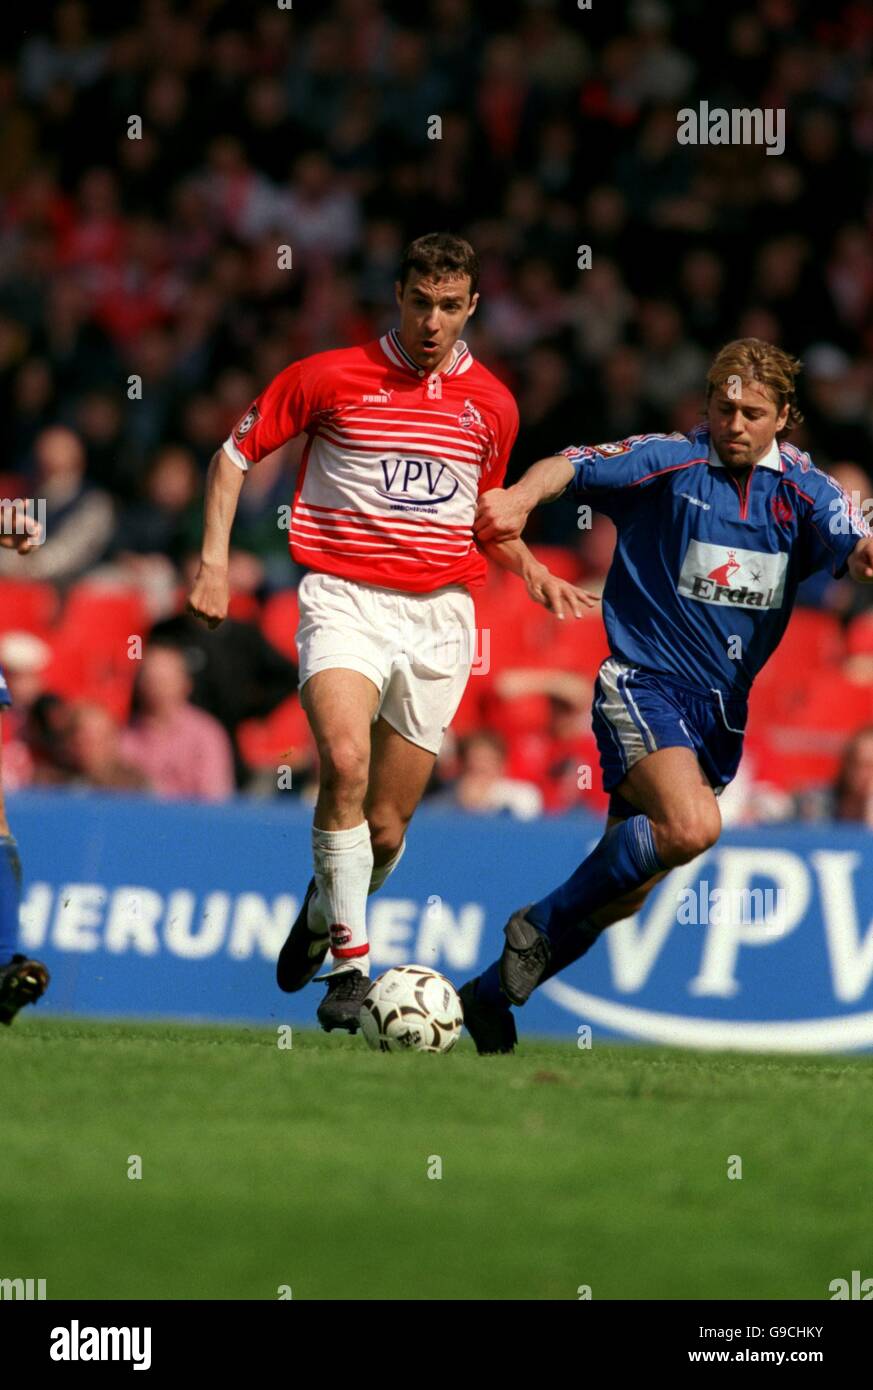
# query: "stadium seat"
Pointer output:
{"type": "Point", "coordinates": [279, 621]}
{"type": "Point", "coordinates": [27, 606]}
{"type": "Point", "coordinates": [859, 635]}
{"type": "Point", "coordinates": [112, 613]}
{"type": "Point", "coordinates": [576, 644]}
{"type": "Point", "coordinates": [92, 658]}
{"type": "Point", "coordinates": [831, 703]}
{"type": "Point", "coordinates": [563, 562]}
{"type": "Point", "coordinates": [468, 715]}
{"type": "Point", "coordinates": [244, 608]}
{"type": "Point", "coordinates": [283, 737]}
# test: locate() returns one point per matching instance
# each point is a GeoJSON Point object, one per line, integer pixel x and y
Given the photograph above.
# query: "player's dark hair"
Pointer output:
{"type": "Point", "coordinates": [751, 359]}
{"type": "Point", "coordinates": [440, 254]}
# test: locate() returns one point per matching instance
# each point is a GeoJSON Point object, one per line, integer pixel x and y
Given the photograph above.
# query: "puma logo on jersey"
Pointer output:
{"type": "Point", "coordinates": [381, 398]}
{"type": "Point", "coordinates": [696, 500]}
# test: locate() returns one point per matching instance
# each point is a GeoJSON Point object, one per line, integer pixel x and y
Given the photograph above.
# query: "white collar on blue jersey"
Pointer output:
{"type": "Point", "coordinates": [771, 459]}
{"type": "Point", "coordinates": [462, 357]}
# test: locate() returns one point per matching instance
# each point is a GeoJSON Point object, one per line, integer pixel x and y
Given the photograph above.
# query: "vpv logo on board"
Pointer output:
{"type": "Point", "coordinates": [794, 978]}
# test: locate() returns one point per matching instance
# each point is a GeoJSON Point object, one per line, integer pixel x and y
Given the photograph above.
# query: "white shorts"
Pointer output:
{"type": "Point", "coordinates": [417, 649]}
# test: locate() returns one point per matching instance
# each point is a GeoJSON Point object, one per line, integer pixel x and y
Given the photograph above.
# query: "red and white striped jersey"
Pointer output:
{"type": "Point", "coordinates": [394, 463]}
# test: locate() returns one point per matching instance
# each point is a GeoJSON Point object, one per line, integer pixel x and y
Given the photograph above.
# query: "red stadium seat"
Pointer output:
{"type": "Point", "coordinates": [93, 657]}
{"type": "Point", "coordinates": [244, 608]}
{"type": "Point", "coordinates": [95, 613]}
{"type": "Point", "coordinates": [279, 621]}
{"type": "Point", "coordinates": [283, 737]}
{"type": "Point", "coordinates": [562, 562]}
{"type": "Point", "coordinates": [578, 644]}
{"type": "Point", "coordinates": [468, 715]}
{"type": "Point", "coordinates": [28, 606]}
{"type": "Point", "coordinates": [797, 758]}
{"type": "Point", "coordinates": [802, 747]}
{"type": "Point", "coordinates": [859, 635]}
{"type": "Point", "coordinates": [831, 703]}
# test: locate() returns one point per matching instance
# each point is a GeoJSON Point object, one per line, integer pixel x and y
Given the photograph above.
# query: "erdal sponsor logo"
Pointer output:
{"type": "Point", "coordinates": [76, 1343]}
{"type": "Point", "coordinates": [736, 577]}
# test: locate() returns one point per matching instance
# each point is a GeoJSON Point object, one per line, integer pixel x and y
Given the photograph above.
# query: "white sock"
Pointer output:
{"type": "Point", "coordinates": [383, 871]}
{"type": "Point", "coordinates": [343, 865]}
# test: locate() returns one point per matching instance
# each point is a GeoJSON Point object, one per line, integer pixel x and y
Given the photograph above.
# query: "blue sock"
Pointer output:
{"type": "Point", "coordinates": [622, 860]}
{"type": "Point", "coordinates": [625, 858]}
{"type": "Point", "coordinates": [571, 947]}
{"type": "Point", "coordinates": [10, 897]}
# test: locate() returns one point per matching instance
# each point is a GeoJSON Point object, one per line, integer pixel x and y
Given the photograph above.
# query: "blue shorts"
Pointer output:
{"type": "Point", "coordinates": [637, 711]}
{"type": "Point", "coordinates": [5, 697]}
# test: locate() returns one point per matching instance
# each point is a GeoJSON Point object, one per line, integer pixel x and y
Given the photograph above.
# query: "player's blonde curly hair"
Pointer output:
{"type": "Point", "coordinates": [751, 359]}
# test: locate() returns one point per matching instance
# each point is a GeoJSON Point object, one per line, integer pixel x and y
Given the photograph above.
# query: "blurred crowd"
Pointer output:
{"type": "Point", "coordinates": [155, 158]}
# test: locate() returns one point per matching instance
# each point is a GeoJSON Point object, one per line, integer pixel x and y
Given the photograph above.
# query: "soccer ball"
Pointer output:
{"type": "Point", "coordinates": [411, 1008]}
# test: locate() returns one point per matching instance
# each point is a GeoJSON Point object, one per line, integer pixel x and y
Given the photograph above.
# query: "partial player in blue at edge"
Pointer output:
{"type": "Point", "coordinates": [716, 530]}
{"type": "Point", "coordinates": [22, 981]}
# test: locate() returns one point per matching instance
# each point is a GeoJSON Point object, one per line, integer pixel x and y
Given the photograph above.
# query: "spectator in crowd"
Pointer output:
{"type": "Point", "coordinates": [482, 786]}
{"type": "Point", "coordinates": [79, 518]}
{"type": "Point", "coordinates": [853, 791]}
{"type": "Point", "coordinates": [850, 798]}
{"type": "Point", "coordinates": [24, 660]}
{"type": "Point", "coordinates": [236, 673]}
{"type": "Point", "coordinates": [92, 752]}
{"type": "Point", "coordinates": [142, 301]}
{"type": "Point", "coordinates": [181, 750]}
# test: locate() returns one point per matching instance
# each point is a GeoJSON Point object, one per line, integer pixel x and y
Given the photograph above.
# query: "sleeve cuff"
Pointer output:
{"type": "Point", "coordinates": [230, 448]}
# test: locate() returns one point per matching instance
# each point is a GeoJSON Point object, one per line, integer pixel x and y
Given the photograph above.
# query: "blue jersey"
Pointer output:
{"type": "Point", "coordinates": [706, 567]}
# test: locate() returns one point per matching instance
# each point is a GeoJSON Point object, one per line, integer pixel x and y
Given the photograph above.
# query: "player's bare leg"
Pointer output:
{"type": "Point", "coordinates": [399, 773]}
{"type": "Point", "coordinates": [22, 981]}
{"type": "Point", "coordinates": [339, 705]}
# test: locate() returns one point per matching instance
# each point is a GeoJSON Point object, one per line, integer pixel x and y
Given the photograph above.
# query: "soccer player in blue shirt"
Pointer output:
{"type": "Point", "coordinates": [22, 981]}
{"type": "Point", "coordinates": [716, 530]}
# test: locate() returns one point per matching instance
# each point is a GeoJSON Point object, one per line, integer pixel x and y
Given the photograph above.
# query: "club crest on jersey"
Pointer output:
{"type": "Point", "coordinates": [247, 422]}
{"type": "Point", "coordinates": [416, 482]}
{"type": "Point", "coordinates": [621, 446]}
{"type": "Point", "coordinates": [729, 575]}
{"type": "Point", "coordinates": [782, 510]}
{"type": "Point", "coordinates": [469, 416]}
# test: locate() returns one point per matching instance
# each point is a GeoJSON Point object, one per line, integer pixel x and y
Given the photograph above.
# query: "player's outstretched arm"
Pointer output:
{"type": "Point", "coordinates": [559, 596]}
{"type": "Point", "coordinates": [210, 592]}
{"type": "Point", "coordinates": [502, 512]}
{"type": "Point", "coordinates": [861, 561]}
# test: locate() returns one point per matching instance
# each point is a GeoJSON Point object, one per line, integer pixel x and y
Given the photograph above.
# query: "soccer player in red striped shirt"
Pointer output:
{"type": "Point", "coordinates": [403, 435]}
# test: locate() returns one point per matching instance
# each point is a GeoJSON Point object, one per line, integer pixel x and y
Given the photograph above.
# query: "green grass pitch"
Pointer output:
{"type": "Point", "coordinates": [308, 1167]}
